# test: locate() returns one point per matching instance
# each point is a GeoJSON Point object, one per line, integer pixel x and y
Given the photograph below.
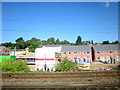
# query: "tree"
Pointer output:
{"type": "Point", "coordinates": [57, 41]}
{"type": "Point", "coordinates": [19, 39]}
{"type": "Point", "coordinates": [105, 42]}
{"type": "Point", "coordinates": [7, 44]}
{"type": "Point", "coordinates": [33, 44]}
{"type": "Point", "coordinates": [20, 43]}
{"type": "Point", "coordinates": [13, 45]}
{"type": "Point", "coordinates": [44, 42]}
{"type": "Point", "coordinates": [14, 66]}
{"type": "Point", "coordinates": [79, 40]}
{"type": "Point", "coordinates": [66, 65]}
{"type": "Point", "coordinates": [64, 42]}
{"type": "Point", "coordinates": [116, 42]}
{"type": "Point", "coordinates": [35, 39]}
{"type": "Point", "coordinates": [92, 42]}
{"type": "Point", "coordinates": [51, 41]}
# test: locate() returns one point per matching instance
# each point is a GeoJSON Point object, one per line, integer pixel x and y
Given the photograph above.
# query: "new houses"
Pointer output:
{"type": "Point", "coordinates": [47, 57]}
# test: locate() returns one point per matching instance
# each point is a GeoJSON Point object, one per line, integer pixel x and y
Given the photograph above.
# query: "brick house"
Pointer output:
{"type": "Point", "coordinates": [77, 54]}
{"type": "Point", "coordinates": [107, 53]}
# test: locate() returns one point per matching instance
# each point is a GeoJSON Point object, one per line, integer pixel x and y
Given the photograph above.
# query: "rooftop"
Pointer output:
{"type": "Point", "coordinates": [1, 48]}
{"type": "Point", "coordinates": [109, 47]}
{"type": "Point", "coordinates": [76, 48]}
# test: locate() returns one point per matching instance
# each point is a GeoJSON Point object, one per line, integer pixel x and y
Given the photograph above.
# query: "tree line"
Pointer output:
{"type": "Point", "coordinates": [33, 43]}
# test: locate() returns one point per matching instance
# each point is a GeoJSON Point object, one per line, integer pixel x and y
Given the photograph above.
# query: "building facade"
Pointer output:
{"type": "Point", "coordinates": [78, 54]}
{"type": "Point", "coordinates": [45, 57]}
{"type": "Point", "coordinates": [108, 53]}
{"type": "Point", "coordinates": [48, 56]}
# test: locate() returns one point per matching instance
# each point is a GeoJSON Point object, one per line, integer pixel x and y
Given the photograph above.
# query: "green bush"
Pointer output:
{"type": "Point", "coordinates": [14, 66]}
{"type": "Point", "coordinates": [66, 65]}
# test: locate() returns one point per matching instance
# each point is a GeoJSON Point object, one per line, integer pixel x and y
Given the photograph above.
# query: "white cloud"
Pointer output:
{"type": "Point", "coordinates": [107, 4]}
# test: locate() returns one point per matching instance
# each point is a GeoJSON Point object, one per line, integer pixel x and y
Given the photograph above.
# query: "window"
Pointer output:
{"type": "Point", "coordinates": [78, 52]}
{"type": "Point", "coordinates": [107, 57]}
{"type": "Point", "coordinates": [59, 60]}
{"type": "Point", "coordinates": [111, 52]}
{"type": "Point", "coordinates": [69, 58]}
{"type": "Point", "coordinates": [98, 52]}
{"type": "Point", "coordinates": [64, 52]}
{"type": "Point", "coordinates": [75, 52]}
{"type": "Point", "coordinates": [98, 57]}
{"type": "Point", "coordinates": [75, 59]}
{"type": "Point", "coordinates": [88, 57]}
{"type": "Point", "coordinates": [102, 58]}
{"type": "Point", "coordinates": [69, 53]}
{"type": "Point", "coordinates": [79, 59]}
{"type": "Point", "coordinates": [88, 52]}
{"type": "Point", "coordinates": [84, 60]}
{"type": "Point", "coordinates": [84, 52]}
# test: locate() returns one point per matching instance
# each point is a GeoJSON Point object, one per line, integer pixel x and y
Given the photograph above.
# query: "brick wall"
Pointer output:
{"type": "Point", "coordinates": [106, 55]}
{"type": "Point", "coordinates": [78, 54]}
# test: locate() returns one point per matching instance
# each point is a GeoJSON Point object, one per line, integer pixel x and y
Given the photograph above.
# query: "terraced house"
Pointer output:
{"type": "Point", "coordinates": [78, 54]}
{"type": "Point", "coordinates": [109, 53]}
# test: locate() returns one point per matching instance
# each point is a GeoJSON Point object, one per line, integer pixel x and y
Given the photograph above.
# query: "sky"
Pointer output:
{"type": "Point", "coordinates": [97, 21]}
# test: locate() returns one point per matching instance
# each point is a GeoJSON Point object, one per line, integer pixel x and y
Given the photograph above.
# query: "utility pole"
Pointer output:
{"type": "Point", "coordinates": [14, 50]}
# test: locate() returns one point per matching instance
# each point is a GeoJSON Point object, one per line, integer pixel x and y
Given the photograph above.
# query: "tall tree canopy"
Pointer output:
{"type": "Point", "coordinates": [79, 40]}
{"type": "Point", "coordinates": [105, 42]}
{"type": "Point", "coordinates": [57, 41]}
{"type": "Point", "coordinates": [51, 40]}
{"type": "Point", "coordinates": [19, 39]}
{"type": "Point", "coordinates": [34, 43]}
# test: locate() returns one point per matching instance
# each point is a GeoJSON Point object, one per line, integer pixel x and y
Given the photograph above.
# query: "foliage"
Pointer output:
{"type": "Point", "coordinates": [57, 41]}
{"type": "Point", "coordinates": [34, 43]}
{"type": "Point", "coordinates": [79, 40]}
{"type": "Point", "coordinates": [105, 42]}
{"type": "Point", "coordinates": [116, 42]}
{"type": "Point", "coordinates": [64, 42]}
{"type": "Point", "coordinates": [14, 66]}
{"type": "Point", "coordinates": [50, 41]}
{"type": "Point", "coordinates": [20, 39]}
{"type": "Point", "coordinates": [92, 42]}
{"type": "Point", "coordinates": [7, 44]}
{"type": "Point", "coordinates": [66, 65]}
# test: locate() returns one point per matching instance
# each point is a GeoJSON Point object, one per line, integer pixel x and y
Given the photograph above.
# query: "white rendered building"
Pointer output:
{"type": "Point", "coordinates": [45, 57]}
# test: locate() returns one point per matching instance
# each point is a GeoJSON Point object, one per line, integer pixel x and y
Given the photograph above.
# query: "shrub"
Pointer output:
{"type": "Point", "coordinates": [14, 66]}
{"type": "Point", "coordinates": [66, 65]}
